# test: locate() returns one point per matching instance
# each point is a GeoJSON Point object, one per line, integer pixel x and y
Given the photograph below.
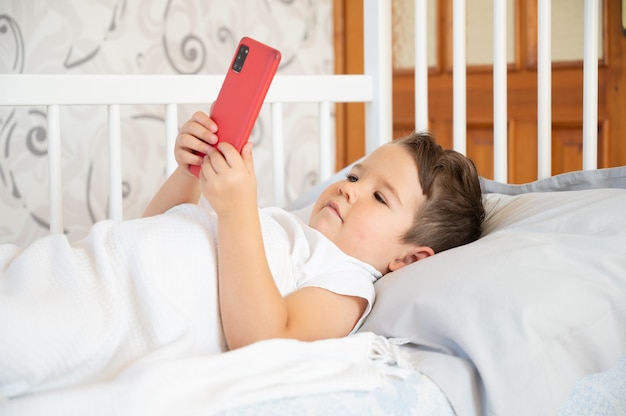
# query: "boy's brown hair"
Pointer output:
{"type": "Point", "coordinates": [453, 212]}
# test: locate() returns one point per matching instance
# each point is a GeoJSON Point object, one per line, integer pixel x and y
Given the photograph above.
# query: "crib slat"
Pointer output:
{"type": "Point", "coordinates": [54, 169]}
{"type": "Point", "coordinates": [544, 89]}
{"type": "Point", "coordinates": [500, 134]}
{"type": "Point", "coordinates": [459, 67]}
{"type": "Point", "coordinates": [115, 163]}
{"type": "Point", "coordinates": [327, 144]}
{"type": "Point", "coordinates": [278, 154]}
{"type": "Point", "coordinates": [171, 131]}
{"type": "Point", "coordinates": [421, 65]}
{"type": "Point", "coordinates": [590, 86]}
{"type": "Point", "coordinates": [377, 65]}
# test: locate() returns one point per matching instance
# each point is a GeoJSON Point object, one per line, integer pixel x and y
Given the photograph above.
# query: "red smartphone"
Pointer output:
{"type": "Point", "coordinates": [243, 91]}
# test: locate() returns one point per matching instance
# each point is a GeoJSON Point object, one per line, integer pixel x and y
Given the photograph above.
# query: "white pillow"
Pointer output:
{"type": "Point", "coordinates": [570, 181]}
{"type": "Point", "coordinates": [536, 303]}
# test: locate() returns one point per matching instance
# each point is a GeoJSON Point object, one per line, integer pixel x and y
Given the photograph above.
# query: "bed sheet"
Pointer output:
{"type": "Point", "coordinates": [416, 395]}
{"type": "Point", "coordinates": [597, 394]}
{"type": "Point", "coordinates": [438, 385]}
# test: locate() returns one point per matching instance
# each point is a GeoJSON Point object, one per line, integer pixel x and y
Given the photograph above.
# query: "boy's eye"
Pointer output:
{"type": "Point", "coordinates": [351, 177]}
{"type": "Point", "coordinates": [380, 198]}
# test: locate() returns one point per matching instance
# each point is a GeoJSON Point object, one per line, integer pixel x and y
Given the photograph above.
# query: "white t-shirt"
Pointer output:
{"type": "Point", "coordinates": [300, 256]}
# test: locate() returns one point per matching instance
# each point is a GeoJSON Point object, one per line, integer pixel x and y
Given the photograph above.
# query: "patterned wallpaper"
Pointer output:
{"type": "Point", "coordinates": [131, 37]}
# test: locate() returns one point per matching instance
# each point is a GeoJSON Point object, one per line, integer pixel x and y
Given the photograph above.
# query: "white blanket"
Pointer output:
{"type": "Point", "coordinates": [207, 384]}
{"type": "Point", "coordinates": [81, 312]}
{"type": "Point", "coordinates": [105, 324]}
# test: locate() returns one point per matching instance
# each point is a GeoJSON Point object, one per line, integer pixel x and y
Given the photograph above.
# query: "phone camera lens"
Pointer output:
{"type": "Point", "coordinates": [242, 53]}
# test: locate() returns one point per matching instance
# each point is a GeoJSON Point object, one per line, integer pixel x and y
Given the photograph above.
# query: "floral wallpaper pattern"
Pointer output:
{"type": "Point", "coordinates": [149, 37]}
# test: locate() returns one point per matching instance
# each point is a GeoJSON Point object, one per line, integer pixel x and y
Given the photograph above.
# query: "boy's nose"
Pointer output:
{"type": "Point", "coordinates": [349, 191]}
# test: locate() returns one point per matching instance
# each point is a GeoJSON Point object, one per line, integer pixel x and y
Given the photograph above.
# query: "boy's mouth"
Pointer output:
{"type": "Point", "coordinates": [335, 208]}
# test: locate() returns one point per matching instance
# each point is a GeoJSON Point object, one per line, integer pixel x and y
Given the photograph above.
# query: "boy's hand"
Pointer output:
{"type": "Point", "coordinates": [228, 180]}
{"type": "Point", "coordinates": [194, 140]}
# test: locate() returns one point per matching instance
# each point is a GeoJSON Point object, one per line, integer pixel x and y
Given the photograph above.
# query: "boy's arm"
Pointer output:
{"type": "Point", "coordinates": [179, 188]}
{"type": "Point", "coordinates": [194, 139]}
{"type": "Point", "coordinates": [251, 306]}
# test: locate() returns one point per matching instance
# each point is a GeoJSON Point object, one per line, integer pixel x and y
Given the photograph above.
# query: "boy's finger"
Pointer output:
{"type": "Point", "coordinates": [189, 141]}
{"type": "Point", "coordinates": [246, 154]}
{"type": "Point", "coordinates": [231, 155]}
{"type": "Point", "coordinates": [246, 150]}
{"type": "Point", "coordinates": [199, 131]}
{"type": "Point", "coordinates": [184, 157]}
{"type": "Point", "coordinates": [217, 160]}
{"type": "Point", "coordinates": [204, 119]}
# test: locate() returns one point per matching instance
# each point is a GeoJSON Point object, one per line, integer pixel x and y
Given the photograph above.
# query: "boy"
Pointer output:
{"type": "Point", "coordinates": [188, 280]}
{"type": "Point", "coordinates": [403, 203]}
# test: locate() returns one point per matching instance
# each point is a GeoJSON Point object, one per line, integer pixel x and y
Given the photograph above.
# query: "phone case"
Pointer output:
{"type": "Point", "coordinates": [243, 91]}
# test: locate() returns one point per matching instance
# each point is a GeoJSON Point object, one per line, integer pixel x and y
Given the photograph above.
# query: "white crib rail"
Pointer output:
{"type": "Point", "coordinates": [378, 66]}
{"type": "Point", "coordinates": [54, 169]}
{"type": "Point", "coordinates": [39, 89]}
{"type": "Point", "coordinates": [590, 86]}
{"type": "Point", "coordinates": [544, 89]}
{"type": "Point", "coordinates": [544, 119]}
{"type": "Point", "coordinates": [459, 70]}
{"type": "Point", "coordinates": [115, 162]}
{"type": "Point", "coordinates": [374, 88]}
{"type": "Point", "coordinates": [54, 91]}
{"type": "Point", "coordinates": [421, 65]}
{"type": "Point", "coordinates": [500, 113]}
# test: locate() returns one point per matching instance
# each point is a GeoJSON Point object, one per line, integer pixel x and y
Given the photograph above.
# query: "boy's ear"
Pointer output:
{"type": "Point", "coordinates": [418, 253]}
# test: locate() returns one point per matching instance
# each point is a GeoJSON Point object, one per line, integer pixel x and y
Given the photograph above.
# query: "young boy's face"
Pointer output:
{"type": "Point", "coordinates": [367, 213]}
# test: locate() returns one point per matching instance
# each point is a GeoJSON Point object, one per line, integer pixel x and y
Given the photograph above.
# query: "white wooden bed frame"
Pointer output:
{"type": "Point", "coordinates": [373, 87]}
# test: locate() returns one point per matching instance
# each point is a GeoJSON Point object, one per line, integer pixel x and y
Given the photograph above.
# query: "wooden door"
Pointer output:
{"type": "Point", "coordinates": [567, 96]}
